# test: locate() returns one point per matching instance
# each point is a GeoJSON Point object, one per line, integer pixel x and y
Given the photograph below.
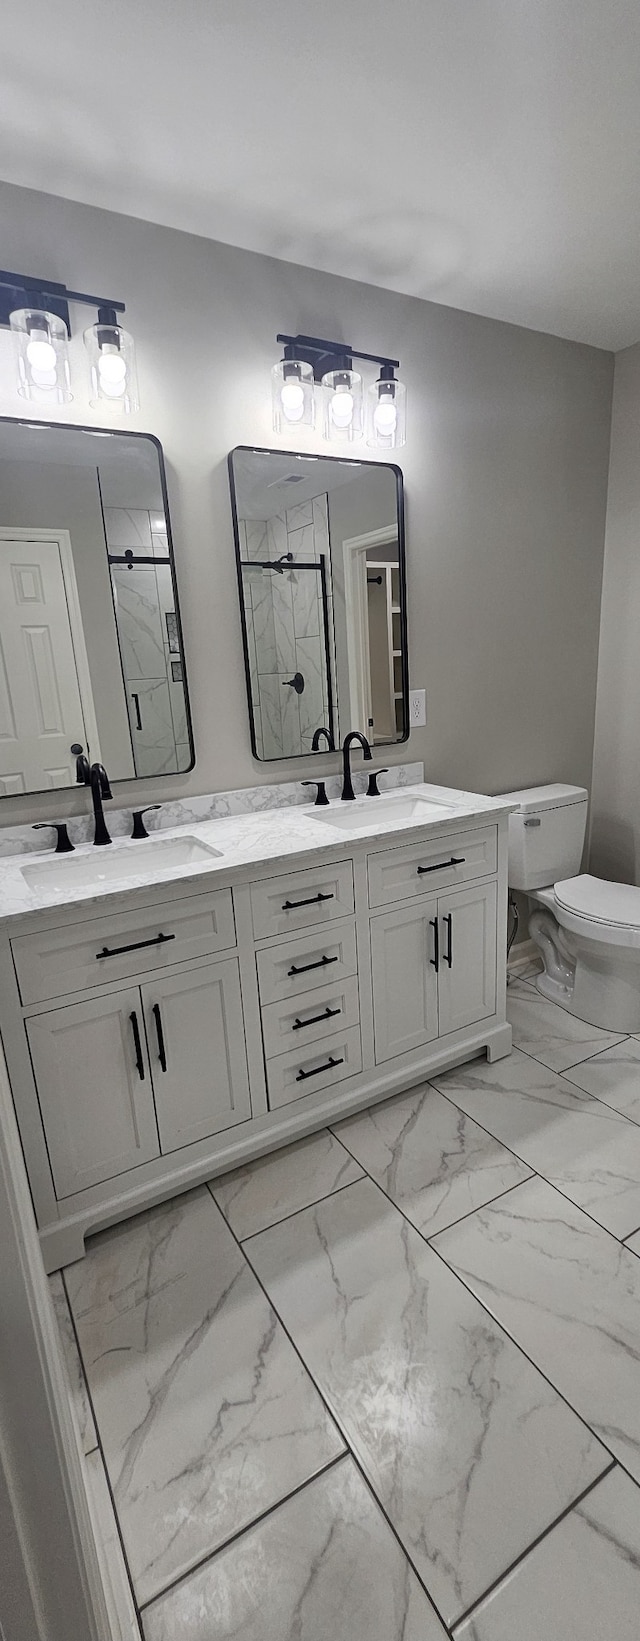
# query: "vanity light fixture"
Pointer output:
{"type": "Point", "coordinates": [312, 359]}
{"type": "Point", "coordinates": [37, 313]}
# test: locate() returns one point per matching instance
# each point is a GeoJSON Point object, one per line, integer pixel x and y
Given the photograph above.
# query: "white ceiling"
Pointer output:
{"type": "Point", "coordinates": [481, 153]}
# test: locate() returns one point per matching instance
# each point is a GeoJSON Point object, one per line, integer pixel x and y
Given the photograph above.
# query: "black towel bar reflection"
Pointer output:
{"type": "Point", "coordinates": [292, 905]}
{"type": "Point", "coordinates": [315, 1070]}
{"type": "Point", "coordinates": [440, 865]}
{"type": "Point", "coordinates": [137, 946]}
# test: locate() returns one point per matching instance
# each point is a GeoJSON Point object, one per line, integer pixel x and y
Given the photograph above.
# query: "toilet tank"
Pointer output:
{"type": "Point", "coordinates": [546, 835]}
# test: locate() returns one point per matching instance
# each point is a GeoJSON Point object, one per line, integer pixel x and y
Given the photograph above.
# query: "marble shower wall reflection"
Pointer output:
{"type": "Point", "coordinates": [148, 639]}
{"type": "Point", "coordinates": [286, 626]}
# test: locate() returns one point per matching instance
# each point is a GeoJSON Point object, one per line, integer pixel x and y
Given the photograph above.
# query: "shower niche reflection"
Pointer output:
{"type": "Point", "coordinates": [321, 573]}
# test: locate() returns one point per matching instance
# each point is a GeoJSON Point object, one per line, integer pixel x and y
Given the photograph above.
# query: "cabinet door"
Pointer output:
{"type": "Point", "coordinates": [195, 1031]}
{"type": "Point", "coordinates": [467, 975]}
{"type": "Point", "coordinates": [94, 1087]}
{"type": "Point", "coordinates": [405, 987]}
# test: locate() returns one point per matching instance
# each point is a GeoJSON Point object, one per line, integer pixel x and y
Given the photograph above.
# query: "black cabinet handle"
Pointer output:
{"type": "Point", "coordinates": [160, 1035]}
{"type": "Point", "coordinates": [435, 960]}
{"type": "Point", "coordinates": [292, 905]}
{"type": "Point", "coordinates": [137, 946]}
{"type": "Point", "coordinates": [136, 700]}
{"type": "Point", "coordinates": [138, 1045]}
{"type": "Point", "coordinates": [455, 860]}
{"type": "Point", "coordinates": [448, 955]}
{"type": "Point", "coordinates": [299, 1025]}
{"type": "Point", "coordinates": [302, 1075]}
{"type": "Point", "coordinates": [305, 968]}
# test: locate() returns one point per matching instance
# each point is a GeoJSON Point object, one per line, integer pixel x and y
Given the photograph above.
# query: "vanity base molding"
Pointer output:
{"type": "Point", "coordinates": [164, 1035]}
{"type": "Point", "coordinates": [63, 1243]}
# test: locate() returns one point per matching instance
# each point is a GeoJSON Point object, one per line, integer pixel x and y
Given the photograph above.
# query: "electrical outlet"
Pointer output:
{"type": "Point", "coordinates": [417, 708]}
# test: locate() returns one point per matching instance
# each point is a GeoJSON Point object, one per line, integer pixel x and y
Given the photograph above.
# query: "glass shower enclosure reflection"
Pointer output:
{"type": "Point", "coordinates": [288, 623]}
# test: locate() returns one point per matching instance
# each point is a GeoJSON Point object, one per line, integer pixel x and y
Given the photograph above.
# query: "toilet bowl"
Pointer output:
{"type": "Point", "coordinates": [587, 929]}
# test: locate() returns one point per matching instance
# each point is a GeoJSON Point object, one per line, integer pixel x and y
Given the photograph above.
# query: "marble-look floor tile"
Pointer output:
{"type": "Point", "coordinates": [555, 1037]}
{"type": "Point", "coordinates": [117, 1589]}
{"type": "Point", "coordinates": [569, 1294]}
{"type": "Point", "coordinates": [324, 1564]}
{"type": "Point", "coordinates": [582, 1146]}
{"type": "Point", "coordinates": [434, 1162]}
{"type": "Point", "coordinates": [277, 1185]}
{"type": "Point", "coordinates": [444, 1414]}
{"type": "Point", "coordinates": [205, 1413]}
{"type": "Point", "coordinates": [613, 1077]}
{"type": "Point", "coordinates": [581, 1583]}
{"type": "Point", "coordinates": [77, 1384]}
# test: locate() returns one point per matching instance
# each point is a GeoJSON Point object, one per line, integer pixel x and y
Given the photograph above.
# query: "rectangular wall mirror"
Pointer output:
{"type": "Point", "coordinates": [91, 651]}
{"type": "Point", "coordinates": [321, 574]}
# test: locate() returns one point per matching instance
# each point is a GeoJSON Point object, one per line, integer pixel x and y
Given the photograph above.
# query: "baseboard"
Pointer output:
{"type": "Point", "coordinates": [523, 955]}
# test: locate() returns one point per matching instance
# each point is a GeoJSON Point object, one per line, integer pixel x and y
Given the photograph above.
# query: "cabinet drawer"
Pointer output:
{"type": "Point", "coordinates": [104, 949]}
{"type": "Point", "coordinates": [293, 1076]}
{"type": "Point", "coordinates": [301, 899]}
{"type": "Point", "coordinates": [294, 1023]}
{"type": "Point", "coordinates": [301, 965]}
{"type": "Point", "coordinates": [421, 868]}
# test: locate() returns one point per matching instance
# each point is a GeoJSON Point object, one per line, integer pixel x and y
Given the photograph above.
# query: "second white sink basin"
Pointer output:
{"type": "Point", "coordinates": [349, 817]}
{"type": "Point", "coordinates": [116, 864]}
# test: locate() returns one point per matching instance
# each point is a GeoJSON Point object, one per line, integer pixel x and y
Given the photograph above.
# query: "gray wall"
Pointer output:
{"type": "Point", "coordinates": [615, 814]}
{"type": "Point", "coordinates": [505, 474]}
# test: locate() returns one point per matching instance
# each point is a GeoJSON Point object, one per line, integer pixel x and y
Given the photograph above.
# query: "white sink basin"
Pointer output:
{"type": "Point", "coordinates": [117, 864]}
{"type": "Point", "coordinates": [348, 817]}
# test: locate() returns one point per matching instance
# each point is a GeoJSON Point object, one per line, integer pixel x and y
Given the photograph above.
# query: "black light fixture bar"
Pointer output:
{"type": "Point", "coordinates": [18, 290]}
{"type": "Point", "coordinates": [325, 355]}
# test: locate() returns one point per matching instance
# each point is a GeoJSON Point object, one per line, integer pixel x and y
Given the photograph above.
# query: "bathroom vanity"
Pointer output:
{"type": "Point", "coordinates": [173, 1008]}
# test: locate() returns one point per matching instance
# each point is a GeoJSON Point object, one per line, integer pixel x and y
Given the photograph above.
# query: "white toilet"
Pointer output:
{"type": "Point", "coordinates": [589, 929]}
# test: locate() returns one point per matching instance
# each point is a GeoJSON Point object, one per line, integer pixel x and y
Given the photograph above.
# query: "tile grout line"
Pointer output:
{"type": "Point", "coordinates": [623, 1038]}
{"type": "Point", "coordinates": [99, 1449]}
{"type": "Point", "coordinates": [536, 1171]}
{"type": "Point", "coordinates": [334, 1192]}
{"type": "Point", "coordinates": [350, 1451]}
{"type": "Point", "coordinates": [495, 1319]}
{"type": "Point", "coordinates": [241, 1532]}
{"type": "Point", "coordinates": [491, 1588]}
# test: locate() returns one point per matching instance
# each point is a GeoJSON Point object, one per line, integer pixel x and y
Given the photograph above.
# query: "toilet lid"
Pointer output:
{"type": "Point", "coordinates": [603, 902]}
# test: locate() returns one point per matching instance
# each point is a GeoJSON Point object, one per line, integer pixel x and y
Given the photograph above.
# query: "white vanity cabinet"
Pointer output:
{"type": "Point", "coordinates": [159, 1037]}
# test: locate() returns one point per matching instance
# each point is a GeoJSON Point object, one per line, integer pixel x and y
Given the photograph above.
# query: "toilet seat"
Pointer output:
{"type": "Point", "coordinates": [609, 912]}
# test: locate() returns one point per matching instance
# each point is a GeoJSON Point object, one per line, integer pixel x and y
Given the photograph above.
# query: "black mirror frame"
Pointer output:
{"type": "Point", "coordinates": [265, 450]}
{"type": "Point", "coordinates": [125, 432]}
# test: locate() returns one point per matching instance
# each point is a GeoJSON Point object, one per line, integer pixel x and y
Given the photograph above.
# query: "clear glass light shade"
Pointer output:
{"type": "Point", "coordinates": [342, 394]}
{"type": "Point", "coordinates": [42, 356]}
{"type": "Point", "coordinates": [292, 395]}
{"type": "Point", "coordinates": [112, 365]}
{"type": "Point", "coordinates": [387, 414]}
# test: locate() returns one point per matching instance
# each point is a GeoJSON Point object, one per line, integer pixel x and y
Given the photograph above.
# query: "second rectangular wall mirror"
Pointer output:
{"type": "Point", "coordinates": [321, 570]}
{"type": "Point", "coordinates": [91, 652]}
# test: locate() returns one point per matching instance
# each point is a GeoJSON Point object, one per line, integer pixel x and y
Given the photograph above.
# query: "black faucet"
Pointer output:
{"type": "Point", "coordinates": [95, 776]}
{"type": "Point", "coordinates": [347, 784]}
{"type": "Point", "coordinates": [315, 744]}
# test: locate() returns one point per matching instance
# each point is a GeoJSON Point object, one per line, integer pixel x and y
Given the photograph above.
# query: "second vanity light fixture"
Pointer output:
{"type": "Point", "coordinates": [37, 313]}
{"type": "Point", "coordinates": [312, 368]}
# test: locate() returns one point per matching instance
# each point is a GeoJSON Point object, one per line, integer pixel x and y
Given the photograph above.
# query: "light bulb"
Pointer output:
{"type": "Point", "coordinates": [385, 417]}
{"type": "Point", "coordinates": [112, 367]}
{"type": "Point", "coordinates": [342, 408]}
{"type": "Point", "coordinates": [41, 353]}
{"type": "Point", "coordinates": [292, 397]}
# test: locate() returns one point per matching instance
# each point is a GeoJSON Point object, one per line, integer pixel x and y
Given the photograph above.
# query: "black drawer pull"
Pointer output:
{"type": "Point", "coordinates": [305, 968]}
{"type": "Point", "coordinates": [137, 946]}
{"type": "Point", "coordinates": [448, 955]}
{"type": "Point", "coordinates": [137, 1044]}
{"type": "Point", "coordinates": [299, 1025]}
{"type": "Point", "coordinates": [292, 905]}
{"type": "Point", "coordinates": [455, 860]}
{"type": "Point", "coordinates": [160, 1036]}
{"type": "Point", "coordinates": [302, 1075]}
{"type": "Point", "coordinates": [435, 960]}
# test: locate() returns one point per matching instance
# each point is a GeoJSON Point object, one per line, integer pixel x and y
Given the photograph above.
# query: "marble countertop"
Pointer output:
{"type": "Point", "coordinates": [274, 838]}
